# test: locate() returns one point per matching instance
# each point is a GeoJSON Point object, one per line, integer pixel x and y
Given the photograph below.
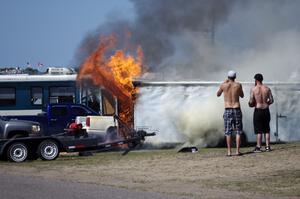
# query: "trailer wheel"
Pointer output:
{"type": "Point", "coordinates": [17, 152]}
{"type": "Point", "coordinates": [48, 150]}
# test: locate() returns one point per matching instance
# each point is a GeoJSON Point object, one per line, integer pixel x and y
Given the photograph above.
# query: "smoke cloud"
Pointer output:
{"type": "Point", "coordinates": [202, 39]}
{"type": "Point", "coordinates": [190, 115]}
{"type": "Point", "coordinates": [160, 25]}
{"type": "Point", "coordinates": [161, 28]}
{"type": "Point", "coordinates": [200, 121]}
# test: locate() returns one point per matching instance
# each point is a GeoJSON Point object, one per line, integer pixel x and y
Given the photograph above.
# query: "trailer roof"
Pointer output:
{"type": "Point", "coordinates": [36, 78]}
{"type": "Point", "coordinates": [140, 83]}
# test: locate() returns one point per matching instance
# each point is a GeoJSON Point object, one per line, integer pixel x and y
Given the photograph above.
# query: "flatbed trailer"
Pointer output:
{"type": "Point", "coordinates": [49, 147]}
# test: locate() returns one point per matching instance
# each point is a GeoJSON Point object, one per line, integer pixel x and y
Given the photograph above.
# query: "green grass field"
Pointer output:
{"type": "Point", "coordinates": [275, 174]}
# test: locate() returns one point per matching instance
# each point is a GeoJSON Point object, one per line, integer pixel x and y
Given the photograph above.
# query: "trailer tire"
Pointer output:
{"type": "Point", "coordinates": [48, 150]}
{"type": "Point", "coordinates": [17, 152]}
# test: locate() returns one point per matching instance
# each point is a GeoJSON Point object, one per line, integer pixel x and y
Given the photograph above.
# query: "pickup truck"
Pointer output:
{"type": "Point", "coordinates": [105, 126]}
{"type": "Point", "coordinates": [55, 118]}
{"type": "Point", "coordinates": [18, 128]}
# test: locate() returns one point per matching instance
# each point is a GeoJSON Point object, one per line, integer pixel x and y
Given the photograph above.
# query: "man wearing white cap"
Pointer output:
{"type": "Point", "coordinates": [233, 115]}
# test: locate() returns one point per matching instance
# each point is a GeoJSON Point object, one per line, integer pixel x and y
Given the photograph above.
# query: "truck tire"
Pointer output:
{"type": "Point", "coordinates": [48, 150]}
{"type": "Point", "coordinates": [17, 152]}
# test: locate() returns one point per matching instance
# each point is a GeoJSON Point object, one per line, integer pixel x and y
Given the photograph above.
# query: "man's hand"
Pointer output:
{"type": "Point", "coordinates": [252, 103]}
{"type": "Point", "coordinates": [220, 91]}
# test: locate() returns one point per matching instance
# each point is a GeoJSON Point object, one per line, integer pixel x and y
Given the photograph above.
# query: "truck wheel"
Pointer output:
{"type": "Point", "coordinates": [48, 150]}
{"type": "Point", "coordinates": [17, 152]}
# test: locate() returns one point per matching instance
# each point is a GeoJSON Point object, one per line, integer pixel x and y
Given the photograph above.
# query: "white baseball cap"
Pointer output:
{"type": "Point", "coordinates": [232, 74]}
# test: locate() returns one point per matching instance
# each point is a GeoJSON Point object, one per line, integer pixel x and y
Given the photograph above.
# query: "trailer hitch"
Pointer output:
{"type": "Point", "coordinates": [137, 140]}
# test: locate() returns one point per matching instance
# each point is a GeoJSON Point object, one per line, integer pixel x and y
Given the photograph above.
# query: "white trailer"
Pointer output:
{"type": "Point", "coordinates": [189, 111]}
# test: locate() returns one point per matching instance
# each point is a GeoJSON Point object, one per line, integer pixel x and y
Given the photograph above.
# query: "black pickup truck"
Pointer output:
{"type": "Point", "coordinates": [18, 128]}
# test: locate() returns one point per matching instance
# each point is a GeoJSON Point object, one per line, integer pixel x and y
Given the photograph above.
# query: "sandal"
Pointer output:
{"type": "Point", "coordinates": [268, 148]}
{"type": "Point", "coordinates": [257, 150]}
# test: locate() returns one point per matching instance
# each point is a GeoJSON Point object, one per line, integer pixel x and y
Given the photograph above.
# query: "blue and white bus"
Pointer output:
{"type": "Point", "coordinates": [23, 94]}
{"type": "Point", "coordinates": [27, 94]}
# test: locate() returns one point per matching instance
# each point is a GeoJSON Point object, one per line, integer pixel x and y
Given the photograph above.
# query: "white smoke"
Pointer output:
{"type": "Point", "coordinates": [257, 36]}
{"type": "Point", "coordinates": [201, 121]}
{"type": "Point", "coordinates": [277, 58]}
{"type": "Point", "coordinates": [190, 115]}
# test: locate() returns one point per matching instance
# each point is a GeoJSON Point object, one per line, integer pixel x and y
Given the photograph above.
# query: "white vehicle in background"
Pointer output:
{"type": "Point", "coordinates": [104, 126]}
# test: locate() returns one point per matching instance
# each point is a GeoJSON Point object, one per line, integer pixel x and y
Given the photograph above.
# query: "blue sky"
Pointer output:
{"type": "Point", "coordinates": [50, 31]}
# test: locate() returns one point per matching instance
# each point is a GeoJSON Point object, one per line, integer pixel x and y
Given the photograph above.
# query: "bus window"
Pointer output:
{"type": "Point", "coordinates": [62, 94]}
{"type": "Point", "coordinates": [7, 96]}
{"type": "Point", "coordinates": [36, 95]}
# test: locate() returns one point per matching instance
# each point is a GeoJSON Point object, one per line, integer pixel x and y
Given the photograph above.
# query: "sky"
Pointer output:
{"type": "Point", "coordinates": [250, 36]}
{"type": "Point", "coordinates": [49, 32]}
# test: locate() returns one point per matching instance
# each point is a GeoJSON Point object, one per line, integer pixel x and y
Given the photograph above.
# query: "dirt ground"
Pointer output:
{"type": "Point", "coordinates": [205, 174]}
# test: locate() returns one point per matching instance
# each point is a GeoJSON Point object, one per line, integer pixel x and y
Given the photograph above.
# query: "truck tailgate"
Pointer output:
{"type": "Point", "coordinates": [96, 124]}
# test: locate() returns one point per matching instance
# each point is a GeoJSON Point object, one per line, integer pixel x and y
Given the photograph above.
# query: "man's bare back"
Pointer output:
{"type": "Point", "coordinates": [232, 92]}
{"type": "Point", "coordinates": [261, 96]}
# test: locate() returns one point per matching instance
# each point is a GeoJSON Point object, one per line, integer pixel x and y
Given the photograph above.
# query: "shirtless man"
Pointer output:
{"type": "Point", "coordinates": [261, 98]}
{"type": "Point", "coordinates": [233, 115]}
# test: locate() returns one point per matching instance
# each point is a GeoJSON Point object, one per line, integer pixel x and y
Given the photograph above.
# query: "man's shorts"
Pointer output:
{"type": "Point", "coordinates": [261, 120]}
{"type": "Point", "coordinates": [233, 121]}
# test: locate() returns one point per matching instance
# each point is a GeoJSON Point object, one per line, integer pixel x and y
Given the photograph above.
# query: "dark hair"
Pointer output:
{"type": "Point", "coordinates": [232, 78]}
{"type": "Point", "coordinates": [259, 77]}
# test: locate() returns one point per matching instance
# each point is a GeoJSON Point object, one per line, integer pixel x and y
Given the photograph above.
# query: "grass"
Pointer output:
{"type": "Point", "coordinates": [281, 183]}
{"type": "Point", "coordinates": [276, 173]}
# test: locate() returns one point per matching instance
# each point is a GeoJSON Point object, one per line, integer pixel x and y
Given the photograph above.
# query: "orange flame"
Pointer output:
{"type": "Point", "coordinates": [115, 74]}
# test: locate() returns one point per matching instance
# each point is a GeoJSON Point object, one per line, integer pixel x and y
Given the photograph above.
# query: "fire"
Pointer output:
{"type": "Point", "coordinates": [115, 73]}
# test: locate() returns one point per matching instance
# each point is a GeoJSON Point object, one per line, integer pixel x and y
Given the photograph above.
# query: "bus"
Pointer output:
{"type": "Point", "coordinates": [24, 94]}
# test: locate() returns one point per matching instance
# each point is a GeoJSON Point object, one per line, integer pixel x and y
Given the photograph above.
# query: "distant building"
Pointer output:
{"type": "Point", "coordinates": [10, 70]}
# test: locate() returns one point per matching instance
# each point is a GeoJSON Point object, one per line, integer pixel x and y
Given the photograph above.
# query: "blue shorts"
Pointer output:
{"type": "Point", "coordinates": [233, 121]}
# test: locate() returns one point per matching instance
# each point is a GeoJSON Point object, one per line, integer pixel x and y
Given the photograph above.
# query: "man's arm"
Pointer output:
{"type": "Point", "coordinates": [220, 91]}
{"type": "Point", "coordinates": [252, 101]}
{"type": "Point", "coordinates": [241, 91]}
{"type": "Point", "coordinates": [270, 97]}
